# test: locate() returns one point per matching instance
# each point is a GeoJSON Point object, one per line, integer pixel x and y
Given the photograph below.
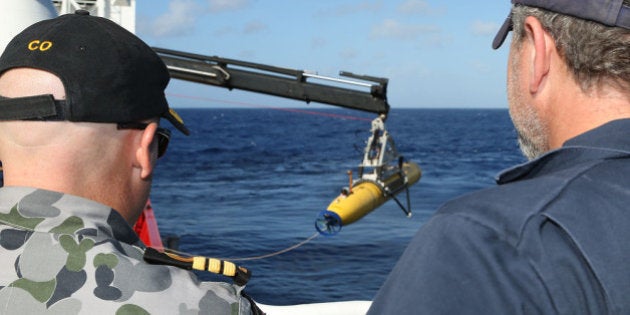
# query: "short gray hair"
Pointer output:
{"type": "Point", "coordinates": [596, 54]}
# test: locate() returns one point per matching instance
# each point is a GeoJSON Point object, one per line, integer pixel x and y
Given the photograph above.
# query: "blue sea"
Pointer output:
{"type": "Point", "coordinates": [250, 182]}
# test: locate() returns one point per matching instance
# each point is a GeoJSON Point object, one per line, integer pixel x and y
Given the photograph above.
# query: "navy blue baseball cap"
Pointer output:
{"type": "Point", "coordinates": [109, 74]}
{"type": "Point", "coordinates": [607, 12]}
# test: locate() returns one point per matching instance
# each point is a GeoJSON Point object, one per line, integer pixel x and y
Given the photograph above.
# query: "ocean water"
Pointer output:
{"type": "Point", "coordinates": [250, 182]}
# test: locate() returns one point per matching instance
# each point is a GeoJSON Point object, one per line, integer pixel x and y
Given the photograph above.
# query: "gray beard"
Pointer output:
{"type": "Point", "coordinates": [530, 148]}
{"type": "Point", "coordinates": [532, 132]}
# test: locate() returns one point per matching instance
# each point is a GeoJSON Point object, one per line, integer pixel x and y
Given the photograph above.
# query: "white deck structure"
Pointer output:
{"type": "Point", "coordinates": [122, 12]}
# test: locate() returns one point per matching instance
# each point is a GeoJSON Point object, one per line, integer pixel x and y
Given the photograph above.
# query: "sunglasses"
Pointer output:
{"type": "Point", "coordinates": [163, 135]}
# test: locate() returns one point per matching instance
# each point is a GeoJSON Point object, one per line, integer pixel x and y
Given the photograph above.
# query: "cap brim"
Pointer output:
{"type": "Point", "coordinates": [503, 32]}
{"type": "Point", "coordinates": [172, 116]}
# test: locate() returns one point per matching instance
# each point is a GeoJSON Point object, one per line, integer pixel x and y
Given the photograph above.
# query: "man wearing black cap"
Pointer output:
{"type": "Point", "coordinates": [80, 105]}
{"type": "Point", "coordinates": [553, 236]}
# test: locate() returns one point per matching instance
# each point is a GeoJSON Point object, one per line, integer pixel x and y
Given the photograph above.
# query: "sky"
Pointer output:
{"type": "Point", "coordinates": [436, 54]}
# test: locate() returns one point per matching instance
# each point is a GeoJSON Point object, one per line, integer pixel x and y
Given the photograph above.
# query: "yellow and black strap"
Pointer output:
{"type": "Point", "coordinates": [239, 275]}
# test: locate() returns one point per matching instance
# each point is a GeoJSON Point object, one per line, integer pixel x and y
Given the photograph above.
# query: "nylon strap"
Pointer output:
{"type": "Point", "coordinates": [39, 107]}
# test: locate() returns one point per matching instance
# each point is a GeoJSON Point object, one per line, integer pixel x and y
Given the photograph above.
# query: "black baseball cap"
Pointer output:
{"type": "Point", "coordinates": [607, 12]}
{"type": "Point", "coordinates": [109, 74]}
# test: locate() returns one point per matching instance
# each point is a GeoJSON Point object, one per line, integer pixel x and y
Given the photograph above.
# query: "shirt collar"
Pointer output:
{"type": "Point", "coordinates": [609, 140]}
{"type": "Point", "coordinates": [45, 211]}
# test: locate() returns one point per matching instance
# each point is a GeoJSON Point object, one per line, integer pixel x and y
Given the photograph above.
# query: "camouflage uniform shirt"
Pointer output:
{"type": "Point", "coordinates": [62, 254]}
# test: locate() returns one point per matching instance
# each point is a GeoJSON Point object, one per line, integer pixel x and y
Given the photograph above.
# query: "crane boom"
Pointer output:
{"type": "Point", "coordinates": [359, 92]}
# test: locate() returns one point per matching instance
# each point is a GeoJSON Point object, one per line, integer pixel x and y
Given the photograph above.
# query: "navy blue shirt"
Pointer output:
{"type": "Point", "coordinates": [552, 238]}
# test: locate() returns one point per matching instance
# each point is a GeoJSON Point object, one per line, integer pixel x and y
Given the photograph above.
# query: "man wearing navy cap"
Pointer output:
{"type": "Point", "coordinates": [553, 236]}
{"type": "Point", "coordinates": [81, 101]}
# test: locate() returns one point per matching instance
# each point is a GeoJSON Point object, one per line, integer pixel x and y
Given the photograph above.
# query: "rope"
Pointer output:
{"type": "Point", "coordinates": [294, 110]}
{"type": "Point", "coordinates": [290, 248]}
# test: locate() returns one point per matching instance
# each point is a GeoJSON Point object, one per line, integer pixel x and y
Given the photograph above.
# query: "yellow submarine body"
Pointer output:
{"type": "Point", "coordinates": [364, 197]}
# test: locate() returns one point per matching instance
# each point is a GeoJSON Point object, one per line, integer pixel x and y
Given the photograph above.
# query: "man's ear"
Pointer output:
{"type": "Point", "coordinates": [145, 155]}
{"type": "Point", "coordinates": [541, 55]}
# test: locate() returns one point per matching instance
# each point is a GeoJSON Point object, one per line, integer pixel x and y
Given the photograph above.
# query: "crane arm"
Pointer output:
{"type": "Point", "coordinates": [359, 92]}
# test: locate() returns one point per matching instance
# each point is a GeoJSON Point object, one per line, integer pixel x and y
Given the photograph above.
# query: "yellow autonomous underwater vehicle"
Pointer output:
{"type": "Point", "coordinates": [390, 174]}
